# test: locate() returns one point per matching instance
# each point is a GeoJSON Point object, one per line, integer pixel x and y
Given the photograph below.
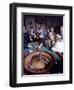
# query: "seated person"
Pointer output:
{"type": "Point", "coordinates": [59, 45]}
{"type": "Point", "coordinates": [47, 43]}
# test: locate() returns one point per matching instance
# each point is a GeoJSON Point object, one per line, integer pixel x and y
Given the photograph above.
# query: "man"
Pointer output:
{"type": "Point", "coordinates": [59, 45]}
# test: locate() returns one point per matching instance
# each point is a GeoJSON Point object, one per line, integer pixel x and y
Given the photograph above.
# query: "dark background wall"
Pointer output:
{"type": "Point", "coordinates": [48, 21]}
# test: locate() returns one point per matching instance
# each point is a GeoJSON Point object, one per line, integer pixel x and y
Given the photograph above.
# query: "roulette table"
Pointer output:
{"type": "Point", "coordinates": [42, 61]}
{"type": "Point", "coordinates": [39, 63]}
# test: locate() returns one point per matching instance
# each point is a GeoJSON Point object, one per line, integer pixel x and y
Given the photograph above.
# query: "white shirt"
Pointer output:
{"type": "Point", "coordinates": [59, 46]}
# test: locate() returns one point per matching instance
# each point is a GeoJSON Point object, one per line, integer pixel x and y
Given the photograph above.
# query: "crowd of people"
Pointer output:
{"type": "Point", "coordinates": [49, 38]}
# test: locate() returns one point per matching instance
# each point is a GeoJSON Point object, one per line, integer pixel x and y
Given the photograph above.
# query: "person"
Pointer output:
{"type": "Point", "coordinates": [59, 45]}
{"type": "Point", "coordinates": [52, 36]}
{"type": "Point", "coordinates": [37, 37]}
{"type": "Point", "coordinates": [41, 34]}
{"type": "Point", "coordinates": [48, 31]}
{"type": "Point", "coordinates": [31, 33]}
{"type": "Point", "coordinates": [61, 31]}
{"type": "Point", "coordinates": [26, 38]}
{"type": "Point", "coordinates": [47, 43]}
{"type": "Point", "coordinates": [58, 36]}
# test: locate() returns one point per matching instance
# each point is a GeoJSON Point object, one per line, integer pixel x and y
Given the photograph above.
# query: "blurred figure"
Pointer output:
{"type": "Point", "coordinates": [41, 33]}
{"type": "Point", "coordinates": [59, 45]}
{"type": "Point", "coordinates": [31, 33]}
{"type": "Point", "coordinates": [47, 43]}
{"type": "Point", "coordinates": [26, 37]}
{"type": "Point", "coordinates": [52, 36]}
{"type": "Point", "coordinates": [31, 30]}
{"type": "Point", "coordinates": [61, 31]}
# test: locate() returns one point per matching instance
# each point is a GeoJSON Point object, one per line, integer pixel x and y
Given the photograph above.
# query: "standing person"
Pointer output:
{"type": "Point", "coordinates": [31, 33]}
{"type": "Point", "coordinates": [26, 37]}
{"type": "Point", "coordinates": [41, 33]}
{"type": "Point", "coordinates": [52, 35]}
{"type": "Point", "coordinates": [61, 31]}
{"type": "Point", "coordinates": [48, 31]}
